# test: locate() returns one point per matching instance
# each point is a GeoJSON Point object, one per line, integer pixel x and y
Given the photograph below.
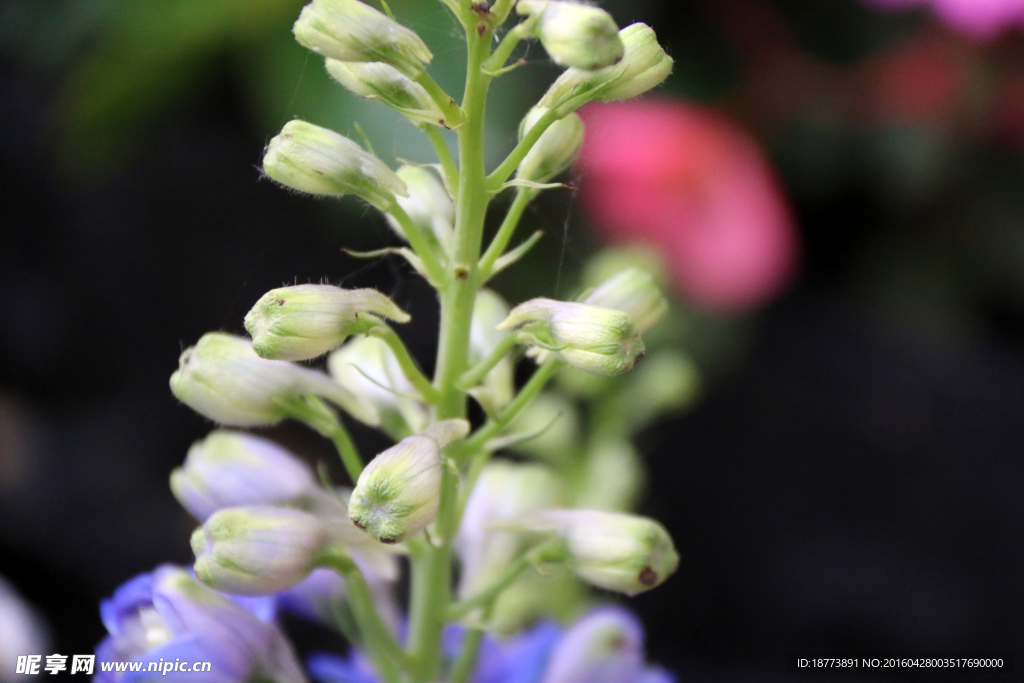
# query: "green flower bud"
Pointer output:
{"type": "Point", "coordinates": [367, 368]}
{"type": "Point", "coordinates": [574, 34]}
{"type": "Point", "coordinates": [597, 340]}
{"type": "Point", "coordinates": [398, 492]}
{"type": "Point", "coordinates": [555, 151]}
{"type": "Point", "coordinates": [380, 81]}
{"type": "Point", "coordinates": [306, 321]}
{"type": "Point", "coordinates": [614, 477]}
{"type": "Point", "coordinates": [668, 381]}
{"type": "Point", "coordinates": [318, 161]}
{"type": "Point", "coordinates": [350, 31]}
{"type": "Point", "coordinates": [428, 205]}
{"type": "Point", "coordinates": [644, 65]}
{"type": "Point", "coordinates": [612, 550]}
{"type": "Point", "coordinates": [633, 292]}
{"type": "Point", "coordinates": [257, 550]}
{"type": "Point", "coordinates": [498, 386]}
{"type": "Point", "coordinates": [222, 378]}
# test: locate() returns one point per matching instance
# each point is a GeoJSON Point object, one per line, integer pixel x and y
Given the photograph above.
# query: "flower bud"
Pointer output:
{"type": "Point", "coordinates": [428, 205]}
{"type": "Point", "coordinates": [367, 368]}
{"type": "Point", "coordinates": [555, 151]}
{"type": "Point", "coordinates": [633, 292]}
{"type": "Point", "coordinates": [613, 477]}
{"type": "Point", "coordinates": [612, 550]}
{"type": "Point", "coordinates": [607, 643]}
{"type": "Point", "coordinates": [306, 321]}
{"type": "Point", "coordinates": [398, 492]}
{"type": "Point", "coordinates": [380, 81]}
{"type": "Point", "coordinates": [498, 386]}
{"type": "Point", "coordinates": [318, 161]}
{"type": "Point", "coordinates": [350, 31]}
{"type": "Point", "coordinates": [228, 469]}
{"type": "Point", "coordinates": [257, 550]}
{"type": "Point", "coordinates": [222, 378]}
{"type": "Point", "coordinates": [644, 65]}
{"type": "Point", "coordinates": [575, 34]}
{"type": "Point", "coordinates": [597, 340]}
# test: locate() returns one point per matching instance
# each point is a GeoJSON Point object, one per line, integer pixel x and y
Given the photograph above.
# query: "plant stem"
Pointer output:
{"type": "Point", "coordinates": [425, 246]}
{"type": "Point", "coordinates": [405, 362]}
{"type": "Point", "coordinates": [468, 651]}
{"type": "Point", "coordinates": [453, 115]}
{"type": "Point", "coordinates": [474, 375]}
{"type": "Point", "coordinates": [432, 569]}
{"type": "Point", "coordinates": [511, 163]}
{"type": "Point", "coordinates": [444, 155]}
{"type": "Point", "coordinates": [347, 450]}
{"type": "Point", "coordinates": [505, 232]}
{"type": "Point", "coordinates": [529, 391]}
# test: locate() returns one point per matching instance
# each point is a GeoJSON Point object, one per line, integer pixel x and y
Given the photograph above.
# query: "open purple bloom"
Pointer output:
{"type": "Point", "coordinates": [167, 616]}
{"type": "Point", "coordinates": [604, 646]}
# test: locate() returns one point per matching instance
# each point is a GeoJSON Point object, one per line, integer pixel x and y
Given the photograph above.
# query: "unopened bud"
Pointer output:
{"type": "Point", "coordinates": [613, 477]}
{"type": "Point", "coordinates": [644, 65]}
{"type": "Point", "coordinates": [633, 292]}
{"type": "Point", "coordinates": [258, 550]}
{"type": "Point", "coordinates": [555, 151]}
{"type": "Point", "coordinates": [318, 161]}
{"type": "Point", "coordinates": [428, 205]}
{"type": "Point", "coordinates": [351, 31]}
{"type": "Point", "coordinates": [222, 378]}
{"type": "Point", "coordinates": [367, 368]}
{"type": "Point", "coordinates": [228, 469]}
{"type": "Point", "coordinates": [306, 321]}
{"type": "Point", "coordinates": [604, 639]}
{"type": "Point", "coordinates": [399, 491]}
{"type": "Point", "coordinates": [383, 82]}
{"type": "Point", "coordinates": [574, 34]}
{"type": "Point", "coordinates": [498, 386]}
{"type": "Point", "coordinates": [612, 550]}
{"type": "Point", "coordinates": [598, 340]}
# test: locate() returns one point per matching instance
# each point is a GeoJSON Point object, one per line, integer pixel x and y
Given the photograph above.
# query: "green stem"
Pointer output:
{"type": "Point", "coordinates": [511, 163]}
{"type": "Point", "coordinates": [405, 362]}
{"type": "Point", "coordinates": [491, 593]}
{"type": "Point", "coordinates": [529, 392]}
{"type": "Point", "coordinates": [433, 567]}
{"type": "Point", "coordinates": [468, 652]}
{"type": "Point", "coordinates": [444, 155]}
{"type": "Point", "coordinates": [381, 643]}
{"type": "Point", "coordinates": [347, 450]}
{"type": "Point", "coordinates": [315, 414]}
{"type": "Point", "coordinates": [454, 116]}
{"type": "Point", "coordinates": [425, 246]}
{"type": "Point", "coordinates": [505, 232]}
{"type": "Point", "coordinates": [475, 375]}
{"type": "Point", "coordinates": [508, 43]}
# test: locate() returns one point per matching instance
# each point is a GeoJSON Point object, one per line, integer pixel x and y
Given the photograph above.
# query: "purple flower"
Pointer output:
{"type": "Point", "coordinates": [168, 615]}
{"type": "Point", "coordinates": [604, 646]}
{"type": "Point", "coordinates": [980, 18]}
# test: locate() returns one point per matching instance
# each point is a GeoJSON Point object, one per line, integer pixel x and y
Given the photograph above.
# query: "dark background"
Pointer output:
{"type": "Point", "coordinates": [851, 481]}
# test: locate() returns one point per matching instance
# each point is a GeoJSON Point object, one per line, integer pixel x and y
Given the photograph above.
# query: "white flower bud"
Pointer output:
{"type": "Point", "coordinates": [597, 340]}
{"type": "Point", "coordinates": [428, 205]}
{"type": "Point", "coordinates": [575, 34]}
{"type": "Point", "coordinates": [350, 31]}
{"type": "Point", "coordinates": [643, 66]}
{"type": "Point", "coordinates": [228, 469]}
{"type": "Point", "coordinates": [612, 550]}
{"type": "Point", "coordinates": [498, 386]}
{"type": "Point", "coordinates": [306, 321]}
{"type": "Point", "coordinates": [555, 151]}
{"type": "Point", "coordinates": [383, 82]}
{"type": "Point", "coordinates": [504, 490]}
{"type": "Point", "coordinates": [318, 161]}
{"type": "Point", "coordinates": [633, 292]}
{"type": "Point", "coordinates": [399, 491]}
{"type": "Point", "coordinates": [222, 378]}
{"type": "Point", "coordinates": [367, 368]}
{"type": "Point", "coordinates": [613, 477]}
{"type": "Point", "coordinates": [258, 550]}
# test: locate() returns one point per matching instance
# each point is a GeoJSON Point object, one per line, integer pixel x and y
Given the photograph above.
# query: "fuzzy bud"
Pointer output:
{"type": "Point", "coordinates": [228, 469]}
{"type": "Point", "coordinates": [601, 341]}
{"type": "Point", "coordinates": [385, 83]}
{"type": "Point", "coordinates": [574, 34]}
{"type": "Point", "coordinates": [612, 550]}
{"type": "Point", "coordinates": [635, 293]}
{"type": "Point", "coordinates": [399, 491]}
{"type": "Point", "coordinates": [367, 368]}
{"type": "Point", "coordinates": [306, 321]}
{"type": "Point", "coordinates": [351, 31]}
{"type": "Point", "coordinates": [318, 161]}
{"type": "Point", "coordinates": [428, 205]}
{"type": "Point", "coordinates": [644, 65]}
{"type": "Point", "coordinates": [555, 151]}
{"type": "Point", "coordinates": [222, 378]}
{"type": "Point", "coordinates": [257, 550]}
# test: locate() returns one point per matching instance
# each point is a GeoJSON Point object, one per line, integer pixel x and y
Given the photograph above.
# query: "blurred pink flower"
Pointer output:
{"type": "Point", "coordinates": [686, 180]}
{"type": "Point", "coordinates": [981, 18]}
